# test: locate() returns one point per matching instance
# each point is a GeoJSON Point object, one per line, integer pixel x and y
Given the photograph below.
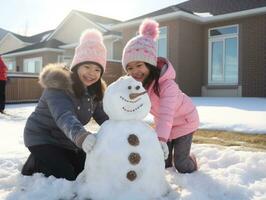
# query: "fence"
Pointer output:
{"type": "Point", "coordinates": [24, 87]}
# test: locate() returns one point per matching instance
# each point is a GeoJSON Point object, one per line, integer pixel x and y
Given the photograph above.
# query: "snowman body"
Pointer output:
{"type": "Point", "coordinates": [127, 161]}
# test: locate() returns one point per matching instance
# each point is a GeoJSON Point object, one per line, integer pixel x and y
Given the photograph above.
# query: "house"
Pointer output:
{"type": "Point", "coordinates": [217, 47]}
{"type": "Point", "coordinates": [26, 56]}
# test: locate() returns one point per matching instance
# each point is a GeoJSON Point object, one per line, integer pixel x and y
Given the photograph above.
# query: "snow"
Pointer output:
{"type": "Point", "coordinates": [204, 14]}
{"type": "Point", "coordinates": [119, 106]}
{"type": "Point", "coordinates": [233, 114]}
{"type": "Point", "coordinates": [246, 115]}
{"type": "Point", "coordinates": [127, 150]}
{"type": "Point", "coordinates": [225, 173]}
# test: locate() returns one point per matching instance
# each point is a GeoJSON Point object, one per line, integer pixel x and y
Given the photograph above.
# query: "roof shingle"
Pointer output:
{"type": "Point", "coordinates": [53, 43]}
{"type": "Point", "coordinates": [214, 7]}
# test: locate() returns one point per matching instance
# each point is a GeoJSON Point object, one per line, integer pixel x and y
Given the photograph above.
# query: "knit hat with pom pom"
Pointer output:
{"type": "Point", "coordinates": [142, 47]}
{"type": "Point", "coordinates": [90, 49]}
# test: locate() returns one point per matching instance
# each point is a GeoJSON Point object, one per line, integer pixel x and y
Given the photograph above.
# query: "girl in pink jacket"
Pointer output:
{"type": "Point", "coordinates": [175, 116]}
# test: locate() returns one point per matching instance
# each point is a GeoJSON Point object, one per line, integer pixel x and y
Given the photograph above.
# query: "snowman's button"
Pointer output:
{"type": "Point", "coordinates": [133, 140]}
{"type": "Point", "coordinates": [134, 158]}
{"type": "Point", "coordinates": [131, 175]}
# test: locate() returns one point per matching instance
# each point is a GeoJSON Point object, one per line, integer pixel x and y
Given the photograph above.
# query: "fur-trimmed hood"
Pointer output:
{"type": "Point", "coordinates": [56, 76]}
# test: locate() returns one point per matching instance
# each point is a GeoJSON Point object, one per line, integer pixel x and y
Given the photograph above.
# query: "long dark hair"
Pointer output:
{"type": "Point", "coordinates": [154, 75]}
{"type": "Point", "coordinates": [96, 89]}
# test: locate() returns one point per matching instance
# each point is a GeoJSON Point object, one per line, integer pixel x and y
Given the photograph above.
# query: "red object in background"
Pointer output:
{"type": "Point", "coordinates": [3, 70]}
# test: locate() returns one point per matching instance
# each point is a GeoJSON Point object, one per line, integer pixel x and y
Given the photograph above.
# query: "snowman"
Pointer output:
{"type": "Point", "coordinates": [127, 162]}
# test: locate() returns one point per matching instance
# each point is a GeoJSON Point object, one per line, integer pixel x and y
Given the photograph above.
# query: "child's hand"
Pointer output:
{"type": "Point", "coordinates": [89, 143]}
{"type": "Point", "coordinates": [165, 149]}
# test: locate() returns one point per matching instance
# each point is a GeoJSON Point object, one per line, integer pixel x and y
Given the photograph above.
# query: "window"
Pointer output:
{"type": "Point", "coordinates": [223, 56]}
{"type": "Point", "coordinates": [162, 42]}
{"type": "Point", "coordinates": [11, 65]}
{"type": "Point", "coordinates": [66, 60]}
{"type": "Point", "coordinates": [32, 65]}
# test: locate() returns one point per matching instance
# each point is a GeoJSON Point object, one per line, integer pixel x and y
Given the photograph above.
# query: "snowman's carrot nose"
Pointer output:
{"type": "Point", "coordinates": [135, 95]}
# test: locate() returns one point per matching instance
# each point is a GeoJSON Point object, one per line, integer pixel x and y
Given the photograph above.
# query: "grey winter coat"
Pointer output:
{"type": "Point", "coordinates": [59, 117]}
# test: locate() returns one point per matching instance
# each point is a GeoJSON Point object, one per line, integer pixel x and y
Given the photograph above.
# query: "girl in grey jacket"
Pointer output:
{"type": "Point", "coordinates": [54, 132]}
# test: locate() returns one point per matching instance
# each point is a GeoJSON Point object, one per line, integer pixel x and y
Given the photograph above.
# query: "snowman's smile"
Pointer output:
{"type": "Point", "coordinates": [129, 101]}
{"type": "Point", "coordinates": [132, 110]}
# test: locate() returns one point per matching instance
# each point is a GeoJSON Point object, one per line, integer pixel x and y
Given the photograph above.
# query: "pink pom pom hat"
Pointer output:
{"type": "Point", "coordinates": [90, 49]}
{"type": "Point", "coordinates": [142, 47]}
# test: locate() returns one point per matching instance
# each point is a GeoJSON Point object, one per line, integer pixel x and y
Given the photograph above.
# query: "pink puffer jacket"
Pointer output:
{"type": "Point", "coordinates": [174, 113]}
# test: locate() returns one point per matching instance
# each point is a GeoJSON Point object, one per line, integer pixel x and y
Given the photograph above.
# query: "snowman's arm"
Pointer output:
{"type": "Point", "coordinates": [99, 115]}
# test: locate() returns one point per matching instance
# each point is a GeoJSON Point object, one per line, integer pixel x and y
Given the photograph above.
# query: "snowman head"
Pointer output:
{"type": "Point", "coordinates": [126, 99]}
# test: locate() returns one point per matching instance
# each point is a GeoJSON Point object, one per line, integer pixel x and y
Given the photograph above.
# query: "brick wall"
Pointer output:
{"type": "Point", "coordinates": [253, 47]}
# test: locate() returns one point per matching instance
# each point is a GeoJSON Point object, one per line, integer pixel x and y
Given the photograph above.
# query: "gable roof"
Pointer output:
{"type": "Point", "coordinates": [167, 10]}
{"type": "Point", "coordinates": [103, 23]}
{"type": "Point", "coordinates": [214, 7]}
{"type": "Point", "coordinates": [99, 20]}
{"type": "Point", "coordinates": [34, 38]}
{"type": "Point", "coordinates": [45, 42]}
{"type": "Point", "coordinates": [50, 44]}
{"type": "Point", "coordinates": [220, 7]}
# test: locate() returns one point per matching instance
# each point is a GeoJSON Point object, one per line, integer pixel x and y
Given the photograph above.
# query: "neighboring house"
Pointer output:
{"type": "Point", "coordinates": [30, 54]}
{"type": "Point", "coordinates": [17, 51]}
{"type": "Point", "coordinates": [26, 56]}
{"type": "Point", "coordinates": [217, 47]}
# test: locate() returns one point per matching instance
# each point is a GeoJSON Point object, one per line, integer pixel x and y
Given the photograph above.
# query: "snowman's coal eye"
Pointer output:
{"type": "Point", "coordinates": [129, 87]}
{"type": "Point", "coordinates": [137, 87]}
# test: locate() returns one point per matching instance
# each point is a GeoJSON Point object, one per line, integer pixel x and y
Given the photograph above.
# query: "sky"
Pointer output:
{"type": "Point", "coordinates": [28, 17]}
{"type": "Point", "coordinates": [225, 173]}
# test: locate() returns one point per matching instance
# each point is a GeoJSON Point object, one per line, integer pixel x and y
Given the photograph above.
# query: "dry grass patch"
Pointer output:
{"type": "Point", "coordinates": [226, 138]}
{"type": "Point", "coordinates": [245, 141]}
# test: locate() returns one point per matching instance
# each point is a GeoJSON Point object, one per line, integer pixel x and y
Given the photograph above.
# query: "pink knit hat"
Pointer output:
{"type": "Point", "coordinates": [142, 47]}
{"type": "Point", "coordinates": [90, 49]}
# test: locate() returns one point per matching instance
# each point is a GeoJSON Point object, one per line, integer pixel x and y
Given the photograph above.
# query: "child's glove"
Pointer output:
{"type": "Point", "coordinates": [89, 143]}
{"type": "Point", "coordinates": [165, 149]}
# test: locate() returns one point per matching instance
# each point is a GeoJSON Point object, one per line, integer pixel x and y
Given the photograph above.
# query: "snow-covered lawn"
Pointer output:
{"type": "Point", "coordinates": [233, 114]}
{"type": "Point", "coordinates": [225, 173]}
